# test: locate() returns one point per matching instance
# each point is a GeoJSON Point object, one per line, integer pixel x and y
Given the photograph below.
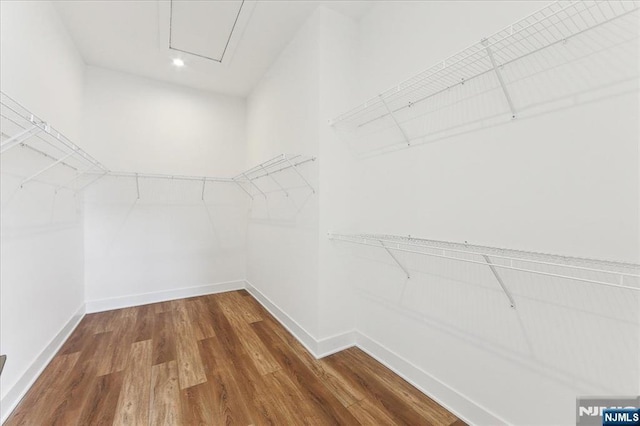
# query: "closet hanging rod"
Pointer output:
{"type": "Point", "coordinates": [373, 240]}
{"type": "Point", "coordinates": [544, 28]}
{"type": "Point", "coordinates": [165, 176]}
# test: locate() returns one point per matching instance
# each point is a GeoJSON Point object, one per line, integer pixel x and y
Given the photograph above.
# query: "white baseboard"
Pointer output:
{"type": "Point", "coordinates": [457, 403]}
{"type": "Point", "coordinates": [303, 336]}
{"type": "Point", "coordinates": [162, 296]}
{"type": "Point", "coordinates": [317, 348]}
{"type": "Point", "coordinates": [20, 388]}
{"type": "Point", "coordinates": [461, 406]}
{"type": "Point", "coordinates": [449, 398]}
{"type": "Point", "coordinates": [339, 342]}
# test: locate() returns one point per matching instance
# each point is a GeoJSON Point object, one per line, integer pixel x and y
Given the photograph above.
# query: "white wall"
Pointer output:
{"type": "Point", "coordinates": [42, 257]}
{"type": "Point", "coordinates": [169, 240]}
{"type": "Point", "coordinates": [562, 178]}
{"type": "Point", "coordinates": [282, 237]}
{"type": "Point", "coordinates": [338, 86]}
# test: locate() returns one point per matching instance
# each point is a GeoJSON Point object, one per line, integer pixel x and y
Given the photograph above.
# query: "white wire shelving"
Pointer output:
{"type": "Point", "coordinates": [610, 274]}
{"type": "Point", "coordinates": [403, 107]}
{"type": "Point", "coordinates": [268, 168]}
{"type": "Point", "coordinates": [19, 127]}
{"type": "Point", "coordinates": [243, 180]}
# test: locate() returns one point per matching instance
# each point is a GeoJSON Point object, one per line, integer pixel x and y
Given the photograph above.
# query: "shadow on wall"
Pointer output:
{"type": "Point", "coordinates": [174, 235]}
{"type": "Point", "coordinates": [594, 65]}
{"type": "Point", "coordinates": [38, 205]}
{"type": "Point", "coordinates": [553, 331]}
{"type": "Point", "coordinates": [286, 203]}
{"type": "Point", "coordinates": [167, 207]}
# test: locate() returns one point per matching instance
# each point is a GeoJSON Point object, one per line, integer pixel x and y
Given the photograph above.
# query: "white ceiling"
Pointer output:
{"type": "Point", "coordinates": [133, 36]}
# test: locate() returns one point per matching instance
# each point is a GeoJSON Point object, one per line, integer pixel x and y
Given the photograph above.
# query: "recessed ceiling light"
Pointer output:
{"type": "Point", "coordinates": [178, 62]}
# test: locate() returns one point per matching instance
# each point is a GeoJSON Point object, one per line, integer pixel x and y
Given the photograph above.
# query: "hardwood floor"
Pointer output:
{"type": "Point", "coordinates": [213, 360]}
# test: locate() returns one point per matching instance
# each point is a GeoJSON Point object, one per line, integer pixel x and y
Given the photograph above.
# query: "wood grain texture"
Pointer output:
{"type": "Point", "coordinates": [165, 407]}
{"type": "Point", "coordinates": [213, 360]}
{"type": "Point", "coordinates": [133, 404]}
{"type": "Point", "coordinates": [190, 370]}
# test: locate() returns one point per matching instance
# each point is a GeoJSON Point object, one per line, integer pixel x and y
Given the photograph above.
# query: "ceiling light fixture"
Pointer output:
{"type": "Point", "coordinates": [178, 62]}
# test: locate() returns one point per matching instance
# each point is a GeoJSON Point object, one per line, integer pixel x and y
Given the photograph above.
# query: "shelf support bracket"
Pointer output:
{"type": "Point", "coordinates": [92, 181]}
{"type": "Point", "coordinates": [504, 287]}
{"type": "Point", "coordinates": [204, 182]}
{"type": "Point", "coordinates": [485, 42]}
{"type": "Point", "coordinates": [242, 187]}
{"type": "Point", "coordinates": [395, 120]}
{"type": "Point", "coordinates": [55, 163]}
{"type": "Point", "coordinates": [395, 259]}
{"type": "Point", "coordinates": [254, 185]}
{"type": "Point", "coordinates": [77, 176]}
{"type": "Point", "coordinates": [295, 169]}
{"type": "Point", "coordinates": [274, 180]}
{"type": "Point", "coordinates": [137, 187]}
{"type": "Point", "coordinates": [20, 138]}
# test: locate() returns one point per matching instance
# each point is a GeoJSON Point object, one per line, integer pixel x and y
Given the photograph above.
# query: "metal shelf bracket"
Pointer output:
{"type": "Point", "coordinates": [275, 180]}
{"type": "Point", "coordinates": [395, 259]}
{"type": "Point", "coordinates": [395, 120]}
{"type": "Point", "coordinates": [242, 187]}
{"type": "Point", "coordinates": [55, 163]}
{"type": "Point", "coordinates": [20, 137]}
{"type": "Point", "coordinates": [485, 42]}
{"type": "Point", "coordinates": [254, 185]}
{"type": "Point", "coordinates": [504, 287]}
{"type": "Point", "coordinates": [295, 169]}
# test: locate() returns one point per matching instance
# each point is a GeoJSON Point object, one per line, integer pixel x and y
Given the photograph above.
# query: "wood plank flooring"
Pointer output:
{"type": "Point", "coordinates": [213, 360]}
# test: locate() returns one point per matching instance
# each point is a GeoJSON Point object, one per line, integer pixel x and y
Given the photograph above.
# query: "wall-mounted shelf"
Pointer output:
{"type": "Point", "coordinates": [21, 128]}
{"type": "Point", "coordinates": [247, 179]}
{"type": "Point", "coordinates": [608, 273]}
{"type": "Point", "coordinates": [400, 113]}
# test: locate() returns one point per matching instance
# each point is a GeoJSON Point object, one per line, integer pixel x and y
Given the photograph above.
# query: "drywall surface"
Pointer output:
{"type": "Point", "coordinates": [154, 235]}
{"type": "Point", "coordinates": [41, 288]}
{"type": "Point", "coordinates": [282, 233]}
{"type": "Point", "coordinates": [561, 178]}
{"type": "Point", "coordinates": [137, 124]}
{"type": "Point", "coordinates": [337, 84]}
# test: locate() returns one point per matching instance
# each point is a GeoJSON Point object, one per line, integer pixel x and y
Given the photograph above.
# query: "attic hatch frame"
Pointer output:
{"type": "Point", "coordinates": [226, 46]}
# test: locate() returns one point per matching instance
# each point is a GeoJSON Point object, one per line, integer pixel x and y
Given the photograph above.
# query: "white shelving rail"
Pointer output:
{"type": "Point", "coordinates": [268, 168]}
{"type": "Point", "coordinates": [246, 178]}
{"type": "Point", "coordinates": [611, 274]}
{"type": "Point", "coordinates": [554, 24]}
{"type": "Point", "coordinates": [19, 127]}
{"type": "Point", "coordinates": [243, 180]}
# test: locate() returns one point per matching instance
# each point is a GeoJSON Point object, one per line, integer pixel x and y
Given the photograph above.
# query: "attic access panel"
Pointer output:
{"type": "Point", "coordinates": [204, 28]}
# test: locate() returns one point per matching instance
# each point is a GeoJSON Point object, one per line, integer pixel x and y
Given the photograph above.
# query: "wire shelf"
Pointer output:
{"type": "Point", "coordinates": [244, 180]}
{"type": "Point", "coordinates": [19, 127]}
{"type": "Point", "coordinates": [270, 167]}
{"type": "Point", "coordinates": [399, 113]}
{"type": "Point", "coordinates": [607, 273]}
